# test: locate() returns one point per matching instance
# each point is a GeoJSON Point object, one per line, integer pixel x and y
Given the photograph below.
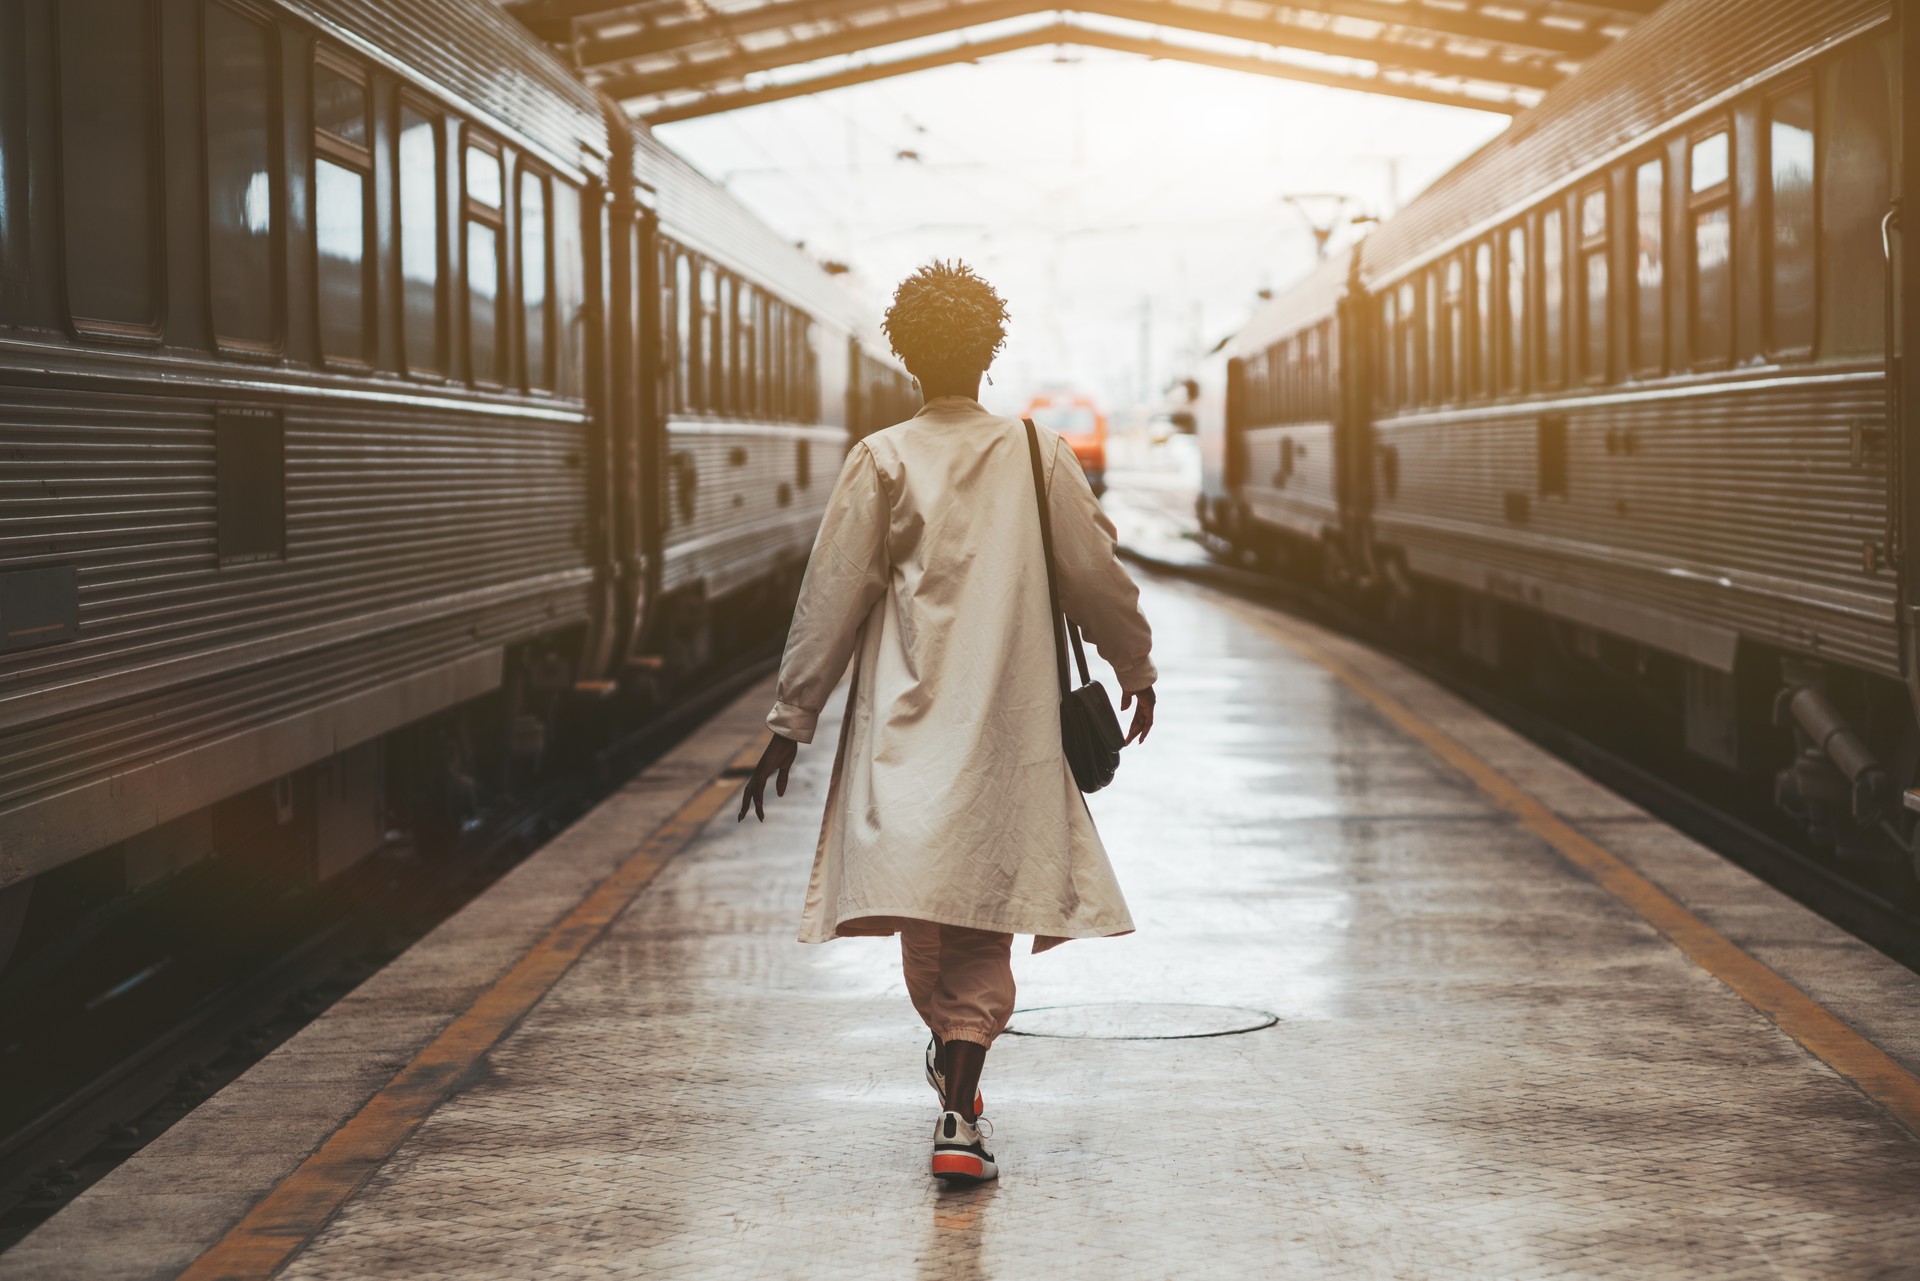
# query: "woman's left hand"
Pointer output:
{"type": "Point", "coordinates": [1142, 714]}
{"type": "Point", "coordinates": [776, 759]}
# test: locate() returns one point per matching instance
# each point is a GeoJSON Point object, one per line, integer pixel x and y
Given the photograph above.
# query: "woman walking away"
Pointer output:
{"type": "Point", "coordinates": [953, 819]}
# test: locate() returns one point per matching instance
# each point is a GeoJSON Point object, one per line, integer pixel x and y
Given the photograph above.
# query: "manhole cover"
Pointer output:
{"type": "Point", "coordinates": [1133, 1021]}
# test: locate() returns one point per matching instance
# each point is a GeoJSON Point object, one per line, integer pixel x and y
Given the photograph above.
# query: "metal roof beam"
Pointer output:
{"type": "Point", "coordinates": [533, 12]}
{"type": "Point", "coordinates": [689, 33]}
{"type": "Point", "coordinates": [1070, 34]}
{"type": "Point", "coordinates": [857, 39]}
{"type": "Point", "coordinates": [1523, 33]}
{"type": "Point", "coordinates": [1528, 33]}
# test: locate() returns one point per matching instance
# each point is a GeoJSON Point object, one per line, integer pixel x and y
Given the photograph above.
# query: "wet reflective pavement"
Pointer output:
{"type": "Point", "coordinates": [1483, 1063]}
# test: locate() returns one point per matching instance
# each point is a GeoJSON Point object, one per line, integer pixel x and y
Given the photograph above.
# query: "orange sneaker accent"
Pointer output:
{"type": "Point", "coordinates": [958, 1163]}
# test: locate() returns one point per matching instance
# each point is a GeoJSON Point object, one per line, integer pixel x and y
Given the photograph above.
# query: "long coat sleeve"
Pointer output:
{"type": "Point", "coordinates": [951, 800]}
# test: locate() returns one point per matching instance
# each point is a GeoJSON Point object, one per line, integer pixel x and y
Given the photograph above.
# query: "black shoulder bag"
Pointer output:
{"type": "Point", "coordinates": [1089, 731]}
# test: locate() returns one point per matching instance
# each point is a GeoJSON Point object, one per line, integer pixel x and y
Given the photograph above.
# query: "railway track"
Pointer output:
{"type": "Point", "coordinates": [1711, 807]}
{"type": "Point", "coordinates": [157, 1003]}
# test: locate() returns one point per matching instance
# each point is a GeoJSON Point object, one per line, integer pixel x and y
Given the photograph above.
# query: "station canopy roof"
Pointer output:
{"type": "Point", "coordinates": [675, 59]}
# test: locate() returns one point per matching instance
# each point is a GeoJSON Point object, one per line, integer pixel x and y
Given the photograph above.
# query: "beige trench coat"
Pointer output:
{"type": "Point", "coordinates": [951, 800]}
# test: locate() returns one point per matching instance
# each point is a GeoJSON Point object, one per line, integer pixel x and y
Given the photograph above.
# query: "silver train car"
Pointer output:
{"type": "Point", "coordinates": [373, 399]}
{"type": "Point", "coordinates": [1617, 396]}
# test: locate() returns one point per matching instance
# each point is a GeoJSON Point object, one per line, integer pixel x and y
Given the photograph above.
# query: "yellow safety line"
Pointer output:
{"type": "Point", "coordinates": [271, 1233]}
{"type": "Point", "coordinates": [1877, 1074]}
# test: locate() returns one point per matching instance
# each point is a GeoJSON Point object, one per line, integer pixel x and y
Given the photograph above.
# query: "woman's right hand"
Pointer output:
{"type": "Point", "coordinates": [775, 761]}
{"type": "Point", "coordinates": [1142, 713]}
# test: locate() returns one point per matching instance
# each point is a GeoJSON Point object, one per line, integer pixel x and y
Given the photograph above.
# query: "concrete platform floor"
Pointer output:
{"type": "Point", "coordinates": [1485, 1065]}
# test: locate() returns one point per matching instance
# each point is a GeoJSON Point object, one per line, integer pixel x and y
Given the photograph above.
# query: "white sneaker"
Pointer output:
{"type": "Point", "coordinates": [939, 1082]}
{"type": "Point", "coordinates": [959, 1156]}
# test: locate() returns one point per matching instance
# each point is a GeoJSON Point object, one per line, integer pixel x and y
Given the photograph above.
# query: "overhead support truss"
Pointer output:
{"type": "Point", "coordinates": [671, 59]}
{"type": "Point", "coordinates": [1055, 33]}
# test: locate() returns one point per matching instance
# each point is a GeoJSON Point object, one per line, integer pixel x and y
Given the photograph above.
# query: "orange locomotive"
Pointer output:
{"type": "Point", "coordinates": [1082, 423]}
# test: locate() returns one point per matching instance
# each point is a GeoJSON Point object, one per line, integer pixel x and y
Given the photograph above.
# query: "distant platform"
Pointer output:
{"type": "Point", "coordinates": [1409, 998]}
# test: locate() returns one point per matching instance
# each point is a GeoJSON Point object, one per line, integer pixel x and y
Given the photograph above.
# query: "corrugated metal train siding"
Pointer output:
{"type": "Point", "coordinates": [411, 538]}
{"type": "Point", "coordinates": [739, 528]}
{"type": "Point", "coordinates": [1306, 501]}
{"type": "Point", "coordinates": [1755, 486]}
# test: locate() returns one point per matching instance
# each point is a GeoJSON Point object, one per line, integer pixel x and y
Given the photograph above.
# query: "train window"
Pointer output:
{"type": "Point", "coordinates": [1855, 194]}
{"type": "Point", "coordinates": [1412, 388]}
{"type": "Point", "coordinates": [1711, 216]}
{"type": "Point", "coordinates": [242, 180]}
{"type": "Point", "coordinates": [1790, 213]}
{"type": "Point", "coordinates": [1593, 281]}
{"type": "Point", "coordinates": [746, 317]}
{"type": "Point", "coordinates": [417, 190]}
{"type": "Point", "coordinates": [1483, 326]}
{"type": "Point", "coordinates": [782, 348]}
{"type": "Point", "coordinates": [536, 293]}
{"type": "Point", "coordinates": [110, 168]}
{"type": "Point", "coordinates": [1453, 330]}
{"type": "Point", "coordinates": [340, 236]}
{"type": "Point", "coordinates": [340, 101]}
{"type": "Point", "coordinates": [1649, 266]}
{"type": "Point", "coordinates": [1315, 363]}
{"type": "Point", "coordinates": [712, 350]}
{"type": "Point", "coordinates": [1553, 309]}
{"type": "Point", "coordinates": [342, 172]}
{"type": "Point", "coordinates": [1389, 332]}
{"type": "Point", "coordinates": [485, 240]}
{"type": "Point", "coordinates": [1513, 338]}
{"type": "Point", "coordinates": [686, 351]}
{"type": "Point", "coordinates": [726, 359]}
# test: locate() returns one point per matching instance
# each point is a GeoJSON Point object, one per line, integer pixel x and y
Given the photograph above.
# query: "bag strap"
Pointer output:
{"type": "Point", "coordinates": [1054, 616]}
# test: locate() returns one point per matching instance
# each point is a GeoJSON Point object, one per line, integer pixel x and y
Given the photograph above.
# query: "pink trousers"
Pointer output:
{"type": "Point", "coordinates": [960, 980]}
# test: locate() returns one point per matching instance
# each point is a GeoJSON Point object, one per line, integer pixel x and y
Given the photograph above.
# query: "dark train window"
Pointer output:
{"type": "Point", "coordinates": [340, 102]}
{"type": "Point", "coordinates": [242, 180]}
{"type": "Point", "coordinates": [1855, 194]}
{"type": "Point", "coordinates": [1594, 294]}
{"type": "Point", "coordinates": [1710, 212]}
{"type": "Point", "coordinates": [485, 193]}
{"type": "Point", "coordinates": [1553, 304]}
{"type": "Point", "coordinates": [418, 193]}
{"type": "Point", "coordinates": [536, 292]}
{"type": "Point", "coordinates": [687, 350]}
{"type": "Point", "coordinates": [726, 347]}
{"type": "Point", "coordinates": [342, 171]}
{"type": "Point", "coordinates": [110, 167]}
{"type": "Point", "coordinates": [1649, 266]}
{"type": "Point", "coordinates": [1513, 336]}
{"type": "Point", "coordinates": [1790, 214]}
{"type": "Point", "coordinates": [1483, 323]}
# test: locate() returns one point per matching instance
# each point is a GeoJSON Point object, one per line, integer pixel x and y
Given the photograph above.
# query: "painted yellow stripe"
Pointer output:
{"type": "Point", "coordinates": [275, 1229]}
{"type": "Point", "coordinates": [1877, 1074]}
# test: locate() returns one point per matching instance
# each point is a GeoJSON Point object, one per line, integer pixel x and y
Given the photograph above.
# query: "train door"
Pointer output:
{"type": "Point", "coordinates": [633, 423]}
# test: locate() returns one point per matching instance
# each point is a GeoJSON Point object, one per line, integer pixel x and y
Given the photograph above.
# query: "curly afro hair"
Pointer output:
{"type": "Point", "coordinates": [946, 324]}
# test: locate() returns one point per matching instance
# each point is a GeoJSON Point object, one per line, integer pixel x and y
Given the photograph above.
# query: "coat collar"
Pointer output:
{"type": "Point", "coordinates": [951, 405]}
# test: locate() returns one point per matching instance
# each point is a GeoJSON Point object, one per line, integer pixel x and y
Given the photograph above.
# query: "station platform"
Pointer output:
{"type": "Point", "coordinates": [1513, 1027]}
